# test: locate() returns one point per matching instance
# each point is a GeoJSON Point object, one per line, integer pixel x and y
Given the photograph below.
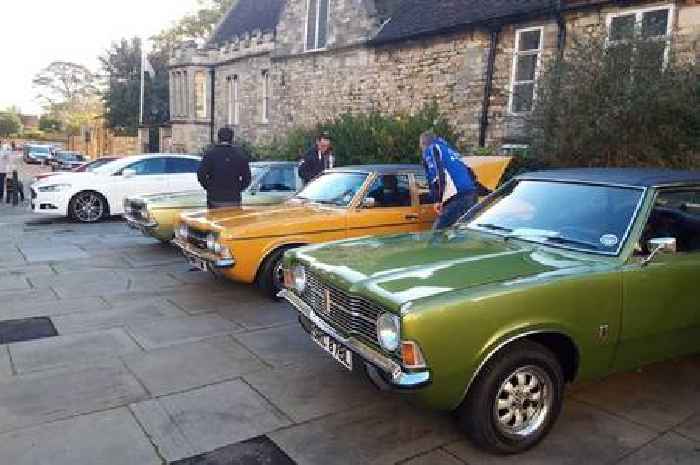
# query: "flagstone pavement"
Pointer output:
{"type": "Point", "coordinates": [157, 364]}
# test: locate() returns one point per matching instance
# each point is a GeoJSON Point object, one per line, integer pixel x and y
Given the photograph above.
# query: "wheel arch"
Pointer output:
{"type": "Point", "coordinates": [557, 341]}
{"type": "Point", "coordinates": [269, 252]}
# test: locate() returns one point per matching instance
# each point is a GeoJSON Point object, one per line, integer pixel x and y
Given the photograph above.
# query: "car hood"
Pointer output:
{"type": "Point", "coordinates": [399, 269]}
{"type": "Point", "coordinates": [287, 219]}
{"type": "Point", "coordinates": [68, 178]}
{"type": "Point", "coordinates": [185, 199]}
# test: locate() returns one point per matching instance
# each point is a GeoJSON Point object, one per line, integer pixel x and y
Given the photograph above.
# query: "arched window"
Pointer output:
{"type": "Point", "coordinates": [233, 101]}
{"type": "Point", "coordinates": [265, 113]}
{"type": "Point", "coordinates": [317, 12]}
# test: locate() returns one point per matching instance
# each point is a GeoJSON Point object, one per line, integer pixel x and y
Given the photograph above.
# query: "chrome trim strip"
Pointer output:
{"type": "Point", "coordinates": [216, 262]}
{"type": "Point", "coordinates": [399, 378]}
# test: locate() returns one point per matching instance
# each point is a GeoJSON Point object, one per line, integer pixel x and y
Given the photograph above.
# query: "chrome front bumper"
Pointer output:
{"type": "Point", "coordinates": [398, 378]}
{"type": "Point", "coordinates": [214, 261]}
{"type": "Point", "coordinates": [137, 224]}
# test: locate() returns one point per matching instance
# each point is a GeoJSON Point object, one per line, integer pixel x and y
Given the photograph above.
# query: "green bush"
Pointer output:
{"type": "Point", "coordinates": [363, 138]}
{"type": "Point", "coordinates": [616, 105]}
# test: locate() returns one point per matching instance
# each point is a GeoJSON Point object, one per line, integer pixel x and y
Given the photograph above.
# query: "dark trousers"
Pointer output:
{"type": "Point", "coordinates": [454, 209]}
{"type": "Point", "coordinates": [2, 185]}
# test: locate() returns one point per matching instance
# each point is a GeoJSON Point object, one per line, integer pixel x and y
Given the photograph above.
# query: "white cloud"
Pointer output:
{"type": "Point", "coordinates": [35, 33]}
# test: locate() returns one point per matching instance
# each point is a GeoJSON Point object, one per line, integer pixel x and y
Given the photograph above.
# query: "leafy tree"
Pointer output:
{"type": "Point", "coordinates": [50, 123]}
{"type": "Point", "coordinates": [69, 92]}
{"type": "Point", "coordinates": [196, 26]}
{"type": "Point", "coordinates": [122, 66]}
{"type": "Point", "coordinates": [617, 106]}
{"type": "Point", "coordinates": [9, 124]}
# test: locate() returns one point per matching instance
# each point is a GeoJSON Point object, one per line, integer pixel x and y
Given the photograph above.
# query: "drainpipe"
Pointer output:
{"type": "Point", "coordinates": [212, 75]}
{"type": "Point", "coordinates": [561, 31]}
{"type": "Point", "coordinates": [488, 87]}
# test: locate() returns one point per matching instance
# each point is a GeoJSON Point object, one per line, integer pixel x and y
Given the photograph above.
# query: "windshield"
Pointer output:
{"type": "Point", "coordinates": [256, 172]}
{"type": "Point", "coordinates": [333, 188]}
{"type": "Point", "coordinates": [112, 167]}
{"type": "Point", "coordinates": [40, 150]}
{"type": "Point", "coordinates": [578, 216]}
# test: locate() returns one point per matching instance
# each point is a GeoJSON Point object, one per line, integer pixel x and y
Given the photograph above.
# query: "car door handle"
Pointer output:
{"type": "Point", "coordinates": [412, 216]}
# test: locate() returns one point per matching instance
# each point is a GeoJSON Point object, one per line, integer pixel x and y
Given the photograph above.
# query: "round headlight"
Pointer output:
{"type": "Point", "coordinates": [182, 231]}
{"type": "Point", "coordinates": [299, 278]}
{"type": "Point", "coordinates": [389, 331]}
{"type": "Point", "coordinates": [211, 242]}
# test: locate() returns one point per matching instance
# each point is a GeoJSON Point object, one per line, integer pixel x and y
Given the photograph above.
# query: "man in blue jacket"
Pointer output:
{"type": "Point", "coordinates": [452, 183]}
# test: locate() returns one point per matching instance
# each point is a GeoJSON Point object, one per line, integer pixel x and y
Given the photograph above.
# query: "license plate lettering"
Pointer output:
{"type": "Point", "coordinates": [339, 353]}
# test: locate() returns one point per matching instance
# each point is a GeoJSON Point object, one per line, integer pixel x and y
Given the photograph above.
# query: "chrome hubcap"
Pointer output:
{"type": "Point", "coordinates": [88, 207]}
{"type": "Point", "coordinates": [278, 276]}
{"type": "Point", "coordinates": [523, 402]}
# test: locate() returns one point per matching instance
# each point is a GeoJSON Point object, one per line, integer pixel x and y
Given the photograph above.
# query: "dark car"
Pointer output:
{"type": "Point", "coordinates": [36, 154]}
{"type": "Point", "coordinates": [64, 160]}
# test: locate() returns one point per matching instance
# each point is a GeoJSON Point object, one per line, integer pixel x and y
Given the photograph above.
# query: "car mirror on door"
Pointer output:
{"type": "Point", "coordinates": [658, 246]}
{"type": "Point", "coordinates": [128, 173]}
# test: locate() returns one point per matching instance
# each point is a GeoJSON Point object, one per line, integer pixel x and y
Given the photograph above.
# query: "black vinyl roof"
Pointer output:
{"type": "Point", "coordinates": [416, 18]}
{"type": "Point", "coordinates": [381, 169]}
{"type": "Point", "coordinates": [638, 177]}
{"type": "Point", "coordinates": [247, 16]}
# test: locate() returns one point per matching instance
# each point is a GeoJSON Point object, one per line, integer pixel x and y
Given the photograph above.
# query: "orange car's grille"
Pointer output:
{"type": "Point", "coordinates": [351, 316]}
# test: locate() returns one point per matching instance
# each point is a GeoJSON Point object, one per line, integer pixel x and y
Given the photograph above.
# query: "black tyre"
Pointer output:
{"type": "Point", "coordinates": [515, 400]}
{"type": "Point", "coordinates": [88, 207]}
{"type": "Point", "coordinates": [270, 277]}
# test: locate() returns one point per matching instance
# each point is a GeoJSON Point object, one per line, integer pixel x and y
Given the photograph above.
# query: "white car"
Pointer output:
{"type": "Point", "coordinates": [92, 196]}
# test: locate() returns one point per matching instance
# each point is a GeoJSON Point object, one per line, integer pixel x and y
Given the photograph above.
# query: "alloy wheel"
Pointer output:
{"type": "Point", "coordinates": [88, 207]}
{"type": "Point", "coordinates": [523, 402]}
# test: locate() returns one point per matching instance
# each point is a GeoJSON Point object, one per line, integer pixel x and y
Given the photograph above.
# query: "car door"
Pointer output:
{"type": "Point", "coordinates": [182, 174]}
{"type": "Point", "coordinates": [661, 315]}
{"type": "Point", "coordinates": [426, 204]}
{"type": "Point", "coordinates": [146, 176]}
{"type": "Point", "coordinates": [388, 208]}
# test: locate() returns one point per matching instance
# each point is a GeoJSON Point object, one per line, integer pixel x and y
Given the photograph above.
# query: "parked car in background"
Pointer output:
{"type": "Point", "coordinates": [89, 166]}
{"type": "Point", "coordinates": [155, 215]}
{"type": "Point", "coordinates": [63, 160]}
{"type": "Point", "coordinates": [559, 276]}
{"type": "Point", "coordinates": [247, 244]}
{"type": "Point", "coordinates": [93, 195]}
{"type": "Point", "coordinates": [36, 154]}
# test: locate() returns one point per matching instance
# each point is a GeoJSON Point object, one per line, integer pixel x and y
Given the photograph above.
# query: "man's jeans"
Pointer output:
{"type": "Point", "coordinates": [454, 209]}
{"type": "Point", "coordinates": [216, 204]}
{"type": "Point", "coordinates": [2, 185]}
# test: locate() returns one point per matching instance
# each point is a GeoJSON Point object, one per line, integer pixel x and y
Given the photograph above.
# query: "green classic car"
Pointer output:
{"type": "Point", "coordinates": [557, 277]}
{"type": "Point", "coordinates": [155, 215]}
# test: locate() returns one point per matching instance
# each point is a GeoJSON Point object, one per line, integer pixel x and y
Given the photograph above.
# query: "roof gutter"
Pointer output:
{"type": "Point", "coordinates": [488, 86]}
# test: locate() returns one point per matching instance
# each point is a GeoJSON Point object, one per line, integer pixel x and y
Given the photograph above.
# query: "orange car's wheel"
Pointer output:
{"type": "Point", "coordinates": [271, 277]}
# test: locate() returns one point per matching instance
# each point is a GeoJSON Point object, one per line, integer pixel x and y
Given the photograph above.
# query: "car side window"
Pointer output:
{"type": "Point", "coordinates": [182, 165]}
{"type": "Point", "coordinates": [424, 194]}
{"type": "Point", "coordinates": [676, 214]}
{"type": "Point", "coordinates": [391, 191]}
{"type": "Point", "coordinates": [279, 179]}
{"type": "Point", "coordinates": [149, 166]}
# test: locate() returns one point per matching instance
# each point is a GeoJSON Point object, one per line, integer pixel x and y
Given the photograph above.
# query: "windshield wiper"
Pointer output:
{"type": "Point", "coordinates": [494, 227]}
{"type": "Point", "coordinates": [569, 240]}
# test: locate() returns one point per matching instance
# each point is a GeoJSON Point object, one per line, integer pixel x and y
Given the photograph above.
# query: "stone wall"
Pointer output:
{"type": "Point", "coordinates": [351, 76]}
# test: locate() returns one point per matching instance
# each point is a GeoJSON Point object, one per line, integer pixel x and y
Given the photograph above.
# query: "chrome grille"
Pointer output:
{"type": "Point", "coordinates": [197, 238]}
{"type": "Point", "coordinates": [352, 316]}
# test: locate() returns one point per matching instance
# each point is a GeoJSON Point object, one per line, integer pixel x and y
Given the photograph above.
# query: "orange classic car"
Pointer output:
{"type": "Point", "coordinates": [246, 244]}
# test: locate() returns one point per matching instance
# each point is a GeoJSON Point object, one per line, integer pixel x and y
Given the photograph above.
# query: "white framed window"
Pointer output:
{"type": "Point", "coordinates": [644, 33]}
{"type": "Point", "coordinates": [265, 101]}
{"type": "Point", "coordinates": [200, 95]}
{"type": "Point", "coordinates": [317, 15]}
{"type": "Point", "coordinates": [527, 61]}
{"type": "Point", "coordinates": [233, 102]}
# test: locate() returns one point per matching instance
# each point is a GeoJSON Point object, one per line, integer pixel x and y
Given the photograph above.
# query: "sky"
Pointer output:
{"type": "Point", "coordinates": [33, 33]}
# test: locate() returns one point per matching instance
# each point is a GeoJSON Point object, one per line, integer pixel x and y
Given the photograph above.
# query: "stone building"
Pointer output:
{"type": "Point", "coordinates": [271, 65]}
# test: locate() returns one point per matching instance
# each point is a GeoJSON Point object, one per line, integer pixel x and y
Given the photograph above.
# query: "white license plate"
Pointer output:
{"type": "Point", "coordinates": [198, 264]}
{"type": "Point", "coordinates": [339, 353]}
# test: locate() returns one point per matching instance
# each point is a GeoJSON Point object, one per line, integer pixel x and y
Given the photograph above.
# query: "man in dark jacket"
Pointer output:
{"type": "Point", "coordinates": [319, 158]}
{"type": "Point", "coordinates": [224, 172]}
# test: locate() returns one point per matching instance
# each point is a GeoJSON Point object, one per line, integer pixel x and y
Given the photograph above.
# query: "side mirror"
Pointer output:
{"type": "Point", "coordinates": [369, 202]}
{"type": "Point", "coordinates": [128, 173]}
{"type": "Point", "coordinates": [658, 246]}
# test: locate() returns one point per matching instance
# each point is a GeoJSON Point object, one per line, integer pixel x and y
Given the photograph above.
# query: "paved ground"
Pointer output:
{"type": "Point", "coordinates": [156, 364]}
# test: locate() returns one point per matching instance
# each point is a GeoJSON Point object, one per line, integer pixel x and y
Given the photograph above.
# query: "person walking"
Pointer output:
{"type": "Point", "coordinates": [4, 169]}
{"type": "Point", "coordinates": [318, 158]}
{"type": "Point", "coordinates": [224, 172]}
{"type": "Point", "coordinates": [452, 183]}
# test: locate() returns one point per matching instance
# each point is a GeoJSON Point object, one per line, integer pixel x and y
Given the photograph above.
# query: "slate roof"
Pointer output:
{"type": "Point", "coordinates": [417, 18]}
{"type": "Point", "coordinates": [247, 16]}
{"type": "Point", "coordinates": [638, 177]}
